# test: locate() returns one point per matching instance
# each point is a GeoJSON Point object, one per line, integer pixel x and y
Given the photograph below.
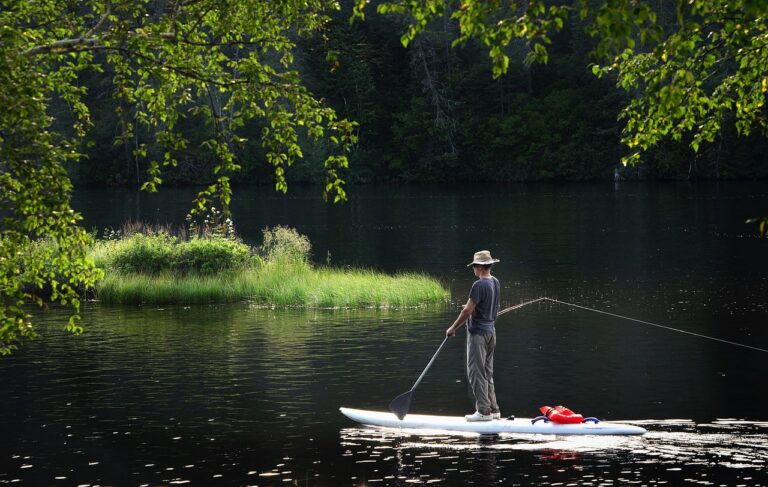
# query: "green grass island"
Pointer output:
{"type": "Point", "coordinates": [151, 265]}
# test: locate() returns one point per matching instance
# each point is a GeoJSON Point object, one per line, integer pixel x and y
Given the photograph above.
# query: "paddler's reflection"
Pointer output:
{"type": "Point", "coordinates": [483, 465]}
{"type": "Point", "coordinates": [486, 468]}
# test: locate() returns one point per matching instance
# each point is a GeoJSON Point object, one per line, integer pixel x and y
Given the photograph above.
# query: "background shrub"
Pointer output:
{"type": "Point", "coordinates": [139, 253]}
{"type": "Point", "coordinates": [211, 255]}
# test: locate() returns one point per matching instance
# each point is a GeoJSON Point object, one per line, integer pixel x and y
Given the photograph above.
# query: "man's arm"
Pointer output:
{"type": "Point", "coordinates": [466, 311]}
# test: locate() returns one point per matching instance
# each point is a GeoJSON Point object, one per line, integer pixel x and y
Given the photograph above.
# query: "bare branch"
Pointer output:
{"type": "Point", "coordinates": [102, 20]}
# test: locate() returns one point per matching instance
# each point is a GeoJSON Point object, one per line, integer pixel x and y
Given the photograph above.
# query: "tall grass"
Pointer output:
{"type": "Point", "coordinates": [322, 287]}
{"type": "Point", "coordinates": [330, 287]}
{"type": "Point", "coordinates": [163, 269]}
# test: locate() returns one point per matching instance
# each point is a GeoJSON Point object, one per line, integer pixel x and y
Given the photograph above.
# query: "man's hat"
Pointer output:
{"type": "Point", "coordinates": [483, 257]}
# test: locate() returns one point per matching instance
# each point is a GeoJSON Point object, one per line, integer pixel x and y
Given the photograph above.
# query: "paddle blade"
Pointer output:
{"type": "Point", "coordinates": [401, 404]}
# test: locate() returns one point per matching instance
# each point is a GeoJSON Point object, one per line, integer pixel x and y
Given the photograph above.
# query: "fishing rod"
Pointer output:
{"type": "Point", "coordinates": [512, 308]}
{"type": "Point", "coordinates": [506, 310]}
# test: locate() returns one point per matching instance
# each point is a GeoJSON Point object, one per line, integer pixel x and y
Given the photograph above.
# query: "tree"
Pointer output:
{"type": "Point", "coordinates": [218, 62]}
{"type": "Point", "coordinates": [685, 76]}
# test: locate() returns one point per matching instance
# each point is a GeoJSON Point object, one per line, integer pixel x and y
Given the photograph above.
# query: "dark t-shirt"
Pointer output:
{"type": "Point", "coordinates": [485, 294]}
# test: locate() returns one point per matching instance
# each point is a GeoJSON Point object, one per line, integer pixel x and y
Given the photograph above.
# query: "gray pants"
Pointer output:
{"type": "Point", "coordinates": [480, 350]}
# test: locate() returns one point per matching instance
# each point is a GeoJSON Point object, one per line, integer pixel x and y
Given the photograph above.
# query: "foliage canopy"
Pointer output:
{"type": "Point", "coordinates": [225, 62]}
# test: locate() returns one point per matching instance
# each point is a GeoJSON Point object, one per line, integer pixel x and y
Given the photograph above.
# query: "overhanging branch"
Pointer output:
{"type": "Point", "coordinates": [65, 45]}
{"type": "Point", "coordinates": [85, 43]}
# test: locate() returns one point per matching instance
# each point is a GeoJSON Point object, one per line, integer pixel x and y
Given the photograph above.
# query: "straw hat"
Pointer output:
{"type": "Point", "coordinates": [483, 257]}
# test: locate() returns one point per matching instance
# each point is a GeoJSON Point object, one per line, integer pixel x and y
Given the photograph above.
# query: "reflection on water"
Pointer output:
{"type": "Point", "coordinates": [672, 453]}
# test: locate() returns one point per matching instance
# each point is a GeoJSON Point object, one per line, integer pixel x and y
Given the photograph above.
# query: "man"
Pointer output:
{"type": "Point", "coordinates": [480, 315]}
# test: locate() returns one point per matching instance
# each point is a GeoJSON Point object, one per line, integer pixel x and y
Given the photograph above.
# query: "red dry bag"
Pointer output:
{"type": "Point", "coordinates": [561, 415]}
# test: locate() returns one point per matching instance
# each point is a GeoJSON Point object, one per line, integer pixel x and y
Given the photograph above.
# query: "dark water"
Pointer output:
{"type": "Point", "coordinates": [242, 395]}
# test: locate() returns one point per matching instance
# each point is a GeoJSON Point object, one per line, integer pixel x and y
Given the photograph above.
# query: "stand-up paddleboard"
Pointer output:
{"type": "Point", "coordinates": [517, 425]}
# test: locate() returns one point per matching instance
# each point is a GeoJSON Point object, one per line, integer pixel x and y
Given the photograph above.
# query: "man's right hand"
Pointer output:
{"type": "Point", "coordinates": [450, 332]}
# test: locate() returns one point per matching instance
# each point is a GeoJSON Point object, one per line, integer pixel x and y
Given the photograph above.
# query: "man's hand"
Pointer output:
{"type": "Point", "coordinates": [466, 311]}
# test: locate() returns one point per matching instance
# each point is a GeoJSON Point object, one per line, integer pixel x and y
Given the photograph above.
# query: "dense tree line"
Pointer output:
{"type": "Point", "coordinates": [431, 112]}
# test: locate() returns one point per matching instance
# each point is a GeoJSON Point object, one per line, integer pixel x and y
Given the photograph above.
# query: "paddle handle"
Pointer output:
{"type": "Point", "coordinates": [445, 340]}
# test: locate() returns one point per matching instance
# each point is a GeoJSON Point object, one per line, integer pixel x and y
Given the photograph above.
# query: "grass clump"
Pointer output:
{"type": "Point", "coordinates": [156, 267]}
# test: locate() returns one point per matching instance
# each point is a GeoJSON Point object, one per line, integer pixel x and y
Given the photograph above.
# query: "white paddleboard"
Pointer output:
{"type": "Point", "coordinates": [517, 425]}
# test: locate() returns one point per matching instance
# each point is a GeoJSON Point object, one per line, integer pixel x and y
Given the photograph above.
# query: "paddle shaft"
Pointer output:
{"type": "Point", "coordinates": [445, 340]}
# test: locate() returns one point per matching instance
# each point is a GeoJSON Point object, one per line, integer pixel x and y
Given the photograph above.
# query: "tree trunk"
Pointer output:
{"type": "Point", "coordinates": [440, 102]}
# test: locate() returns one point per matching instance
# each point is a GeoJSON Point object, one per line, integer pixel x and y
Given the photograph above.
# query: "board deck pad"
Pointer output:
{"type": "Point", "coordinates": [458, 423]}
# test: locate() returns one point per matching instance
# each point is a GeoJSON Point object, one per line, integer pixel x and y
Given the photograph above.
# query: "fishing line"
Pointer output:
{"type": "Point", "coordinates": [632, 319]}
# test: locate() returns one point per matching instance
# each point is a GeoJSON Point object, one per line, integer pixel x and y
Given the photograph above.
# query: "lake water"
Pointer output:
{"type": "Point", "coordinates": [243, 395]}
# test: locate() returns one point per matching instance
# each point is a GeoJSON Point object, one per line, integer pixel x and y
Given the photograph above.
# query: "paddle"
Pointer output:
{"type": "Point", "coordinates": [402, 403]}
